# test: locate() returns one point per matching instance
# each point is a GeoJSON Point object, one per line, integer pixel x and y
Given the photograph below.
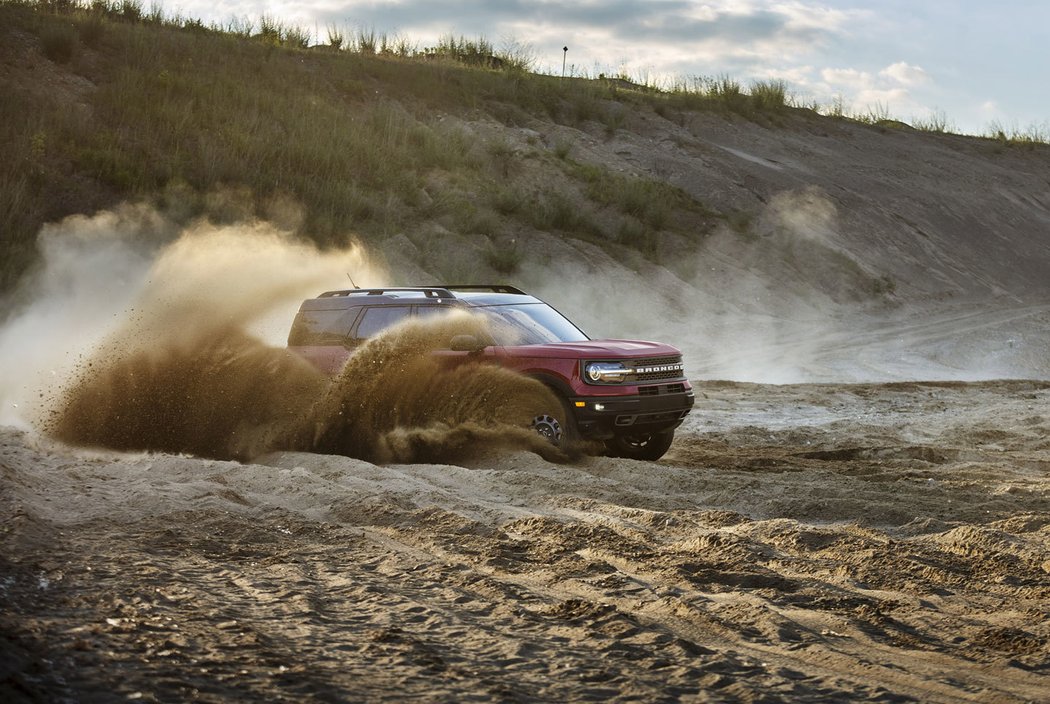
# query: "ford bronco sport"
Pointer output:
{"type": "Point", "coordinates": [628, 393]}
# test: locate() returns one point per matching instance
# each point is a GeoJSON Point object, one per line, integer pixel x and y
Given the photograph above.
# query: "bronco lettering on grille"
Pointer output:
{"type": "Point", "coordinates": [660, 368]}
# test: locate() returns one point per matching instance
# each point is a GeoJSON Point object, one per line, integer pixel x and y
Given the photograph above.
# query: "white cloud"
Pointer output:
{"type": "Point", "coordinates": [802, 15]}
{"type": "Point", "coordinates": [797, 75]}
{"type": "Point", "coordinates": [905, 74]}
{"type": "Point", "coordinates": [892, 89]}
{"type": "Point", "coordinates": [888, 98]}
{"type": "Point", "coordinates": [846, 78]}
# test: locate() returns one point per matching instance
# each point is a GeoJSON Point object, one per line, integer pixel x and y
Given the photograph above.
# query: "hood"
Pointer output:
{"type": "Point", "coordinates": [596, 349]}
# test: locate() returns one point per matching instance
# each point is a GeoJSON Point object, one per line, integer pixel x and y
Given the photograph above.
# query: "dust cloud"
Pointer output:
{"type": "Point", "coordinates": [131, 343]}
{"type": "Point", "coordinates": [755, 306]}
{"type": "Point", "coordinates": [782, 300]}
{"type": "Point", "coordinates": [118, 282]}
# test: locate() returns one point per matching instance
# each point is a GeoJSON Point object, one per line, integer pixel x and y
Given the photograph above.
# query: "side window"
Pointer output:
{"type": "Point", "coordinates": [432, 311]}
{"type": "Point", "coordinates": [378, 319]}
{"type": "Point", "coordinates": [322, 327]}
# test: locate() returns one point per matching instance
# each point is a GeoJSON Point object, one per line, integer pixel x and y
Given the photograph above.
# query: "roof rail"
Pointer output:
{"type": "Point", "coordinates": [428, 291]}
{"type": "Point", "coordinates": [439, 291]}
{"type": "Point", "coordinates": [494, 288]}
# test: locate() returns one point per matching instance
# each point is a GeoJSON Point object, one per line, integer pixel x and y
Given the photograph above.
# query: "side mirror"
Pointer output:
{"type": "Point", "coordinates": [466, 343]}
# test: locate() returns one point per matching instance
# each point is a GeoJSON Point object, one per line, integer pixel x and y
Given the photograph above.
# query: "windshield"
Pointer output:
{"type": "Point", "coordinates": [530, 324]}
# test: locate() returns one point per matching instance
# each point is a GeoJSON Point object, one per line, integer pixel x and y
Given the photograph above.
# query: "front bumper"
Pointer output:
{"type": "Point", "coordinates": [602, 417]}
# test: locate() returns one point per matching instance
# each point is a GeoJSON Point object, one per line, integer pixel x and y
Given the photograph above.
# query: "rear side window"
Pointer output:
{"type": "Point", "coordinates": [432, 311]}
{"type": "Point", "coordinates": [322, 327]}
{"type": "Point", "coordinates": [378, 319]}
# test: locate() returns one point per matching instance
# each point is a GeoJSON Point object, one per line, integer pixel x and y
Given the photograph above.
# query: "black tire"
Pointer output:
{"type": "Point", "coordinates": [641, 446]}
{"type": "Point", "coordinates": [558, 426]}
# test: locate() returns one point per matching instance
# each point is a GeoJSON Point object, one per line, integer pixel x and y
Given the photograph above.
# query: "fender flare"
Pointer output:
{"type": "Point", "coordinates": [558, 386]}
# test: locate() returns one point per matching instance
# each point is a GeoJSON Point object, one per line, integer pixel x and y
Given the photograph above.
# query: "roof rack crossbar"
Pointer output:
{"type": "Point", "coordinates": [427, 291]}
{"type": "Point", "coordinates": [494, 288]}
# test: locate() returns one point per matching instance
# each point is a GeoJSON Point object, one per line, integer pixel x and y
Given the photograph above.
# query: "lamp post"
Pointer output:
{"type": "Point", "coordinates": [564, 53]}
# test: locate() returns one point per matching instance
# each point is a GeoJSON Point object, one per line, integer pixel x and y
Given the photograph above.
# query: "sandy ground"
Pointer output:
{"type": "Point", "coordinates": [866, 541]}
{"type": "Point", "coordinates": [878, 542]}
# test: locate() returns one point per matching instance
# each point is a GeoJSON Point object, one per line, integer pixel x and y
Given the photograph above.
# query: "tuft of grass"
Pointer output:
{"type": "Point", "coordinates": [648, 201]}
{"type": "Point", "coordinates": [562, 148]}
{"type": "Point", "coordinates": [59, 42]}
{"type": "Point", "coordinates": [508, 201]}
{"type": "Point", "coordinates": [937, 122]}
{"type": "Point", "coordinates": [505, 258]}
{"type": "Point", "coordinates": [503, 157]}
{"type": "Point", "coordinates": [366, 41]}
{"type": "Point", "coordinates": [1033, 134]}
{"type": "Point", "coordinates": [769, 96]}
{"type": "Point", "coordinates": [129, 10]}
{"type": "Point", "coordinates": [726, 94]}
{"type": "Point", "coordinates": [631, 231]}
{"type": "Point", "coordinates": [335, 38]}
{"type": "Point", "coordinates": [884, 286]}
{"type": "Point", "coordinates": [553, 210]}
{"type": "Point", "coordinates": [275, 33]}
{"type": "Point", "coordinates": [876, 114]}
{"type": "Point", "coordinates": [839, 108]}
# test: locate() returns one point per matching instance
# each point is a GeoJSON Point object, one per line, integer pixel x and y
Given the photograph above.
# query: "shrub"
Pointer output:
{"type": "Point", "coordinates": [937, 122]}
{"type": "Point", "coordinates": [727, 91]}
{"type": "Point", "coordinates": [130, 10]}
{"type": "Point", "coordinates": [296, 37]}
{"type": "Point", "coordinates": [504, 259]}
{"type": "Point", "coordinates": [1031, 135]}
{"type": "Point", "coordinates": [769, 96]}
{"type": "Point", "coordinates": [366, 41]}
{"type": "Point", "coordinates": [562, 147]}
{"type": "Point", "coordinates": [60, 42]}
{"type": "Point", "coordinates": [502, 156]}
{"type": "Point", "coordinates": [648, 201]}
{"type": "Point", "coordinates": [507, 201]}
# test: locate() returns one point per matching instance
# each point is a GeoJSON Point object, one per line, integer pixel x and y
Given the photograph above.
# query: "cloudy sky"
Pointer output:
{"type": "Point", "coordinates": [974, 61]}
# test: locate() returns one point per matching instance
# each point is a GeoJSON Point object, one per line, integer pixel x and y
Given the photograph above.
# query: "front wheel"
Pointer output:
{"type": "Point", "coordinates": [558, 426]}
{"type": "Point", "coordinates": [641, 446]}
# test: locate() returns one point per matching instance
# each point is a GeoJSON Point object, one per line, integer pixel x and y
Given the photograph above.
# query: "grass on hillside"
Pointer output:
{"type": "Point", "coordinates": [178, 111]}
{"type": "Point", "coordinates": [173, 111]}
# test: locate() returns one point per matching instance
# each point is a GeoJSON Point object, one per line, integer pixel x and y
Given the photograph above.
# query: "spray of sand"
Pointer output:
{"type": "Point", "coordinates": [396, 400]}
{"type": "Point", "coordinates": [227, 395]}
{"type": "Point", "coordinates": [171, 365]}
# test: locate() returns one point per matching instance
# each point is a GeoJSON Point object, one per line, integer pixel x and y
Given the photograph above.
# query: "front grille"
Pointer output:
{"type": "Point", "coordinates": [653, 361]}
{"type": "Point", "coordinates": [657, 362]}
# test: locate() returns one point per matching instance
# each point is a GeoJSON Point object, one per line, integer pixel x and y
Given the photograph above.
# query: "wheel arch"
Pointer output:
{"type": "Point", "coordinates": [558, 386]}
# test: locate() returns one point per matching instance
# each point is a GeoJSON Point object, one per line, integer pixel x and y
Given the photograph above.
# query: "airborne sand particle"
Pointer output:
{"type": "Point", "coordinates": [134, 345]}
{"type": "Point", "coordinates": [229, 396]}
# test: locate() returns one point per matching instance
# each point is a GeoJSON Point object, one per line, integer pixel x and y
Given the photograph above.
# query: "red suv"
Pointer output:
{"type": "Point", "coordinates": [628, 393]}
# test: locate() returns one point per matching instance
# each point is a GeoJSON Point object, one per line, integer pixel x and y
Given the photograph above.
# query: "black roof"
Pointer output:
{"type": "Point", "coordinates": [466, 294]}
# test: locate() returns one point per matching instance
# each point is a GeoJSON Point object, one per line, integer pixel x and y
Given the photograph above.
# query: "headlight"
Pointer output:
{"type": "Point", "coordinates": [606, 372]}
